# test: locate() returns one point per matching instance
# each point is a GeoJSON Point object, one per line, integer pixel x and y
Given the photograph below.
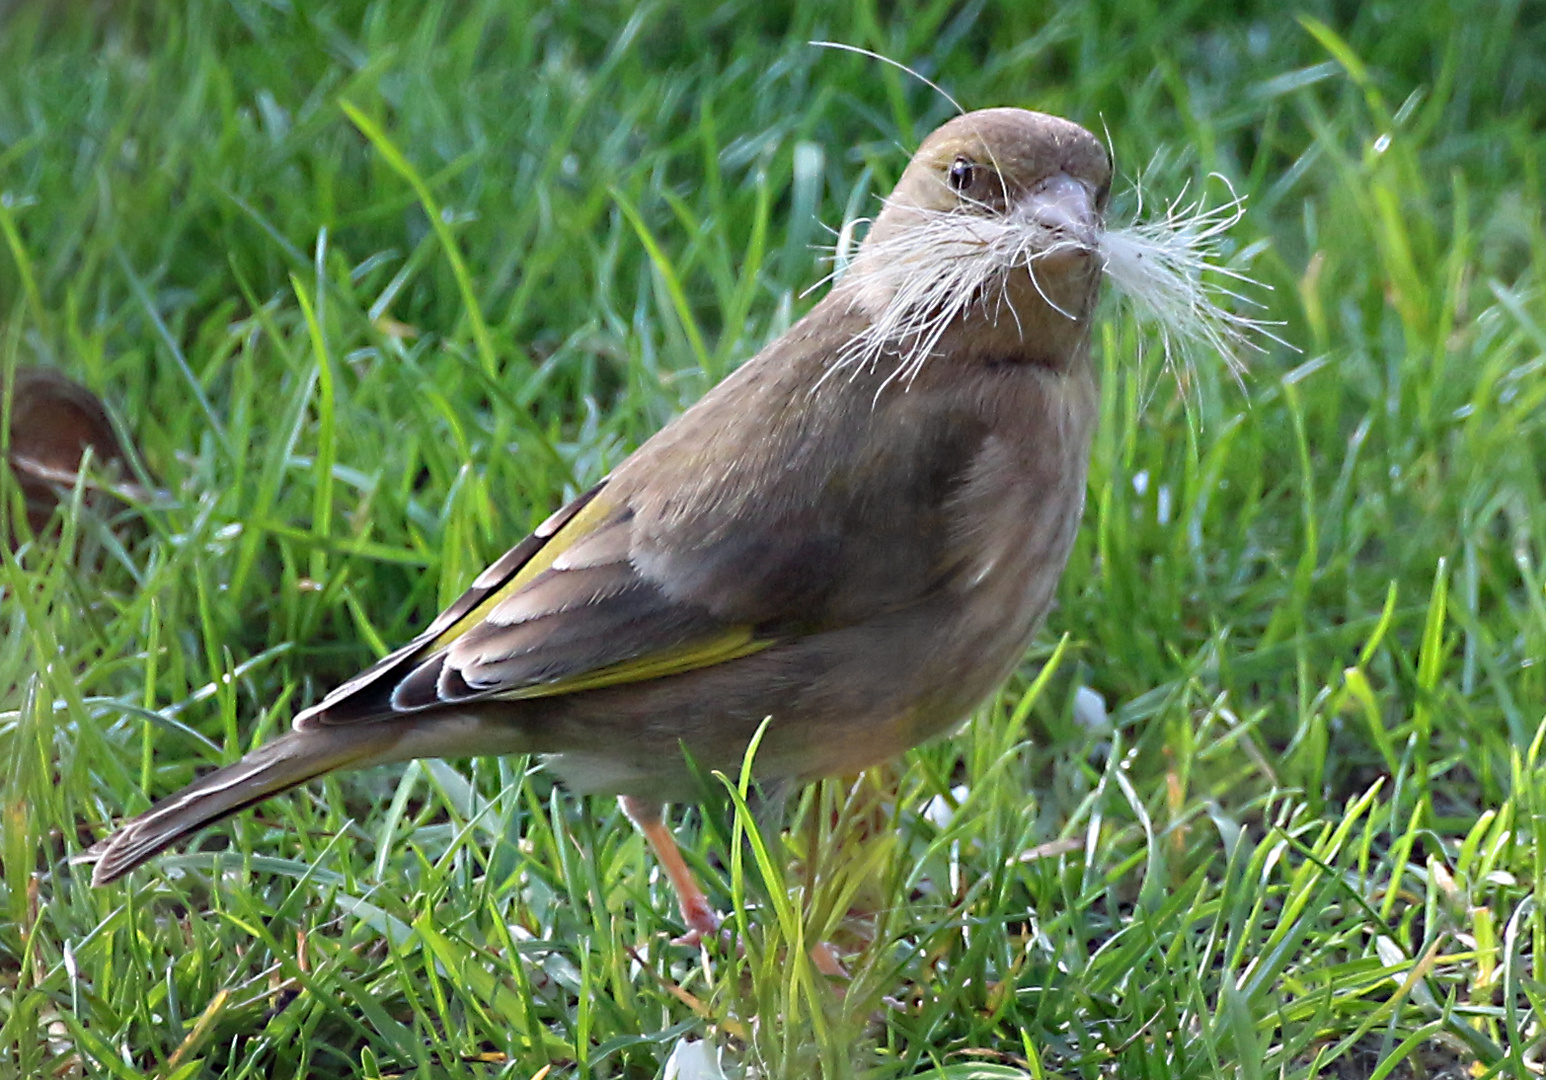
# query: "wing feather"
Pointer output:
{"type": "Point", "coordinates": [566, 609]}
{"type": "Point", "coordinates": [365, 696]}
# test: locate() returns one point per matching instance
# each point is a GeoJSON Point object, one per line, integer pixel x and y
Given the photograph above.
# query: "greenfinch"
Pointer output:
{"type": "Point", "coordinates": [852, 538]}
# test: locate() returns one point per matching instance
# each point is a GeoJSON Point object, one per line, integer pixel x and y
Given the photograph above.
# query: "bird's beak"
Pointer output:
{"type": "Point", "coordinates": [1066, 207]}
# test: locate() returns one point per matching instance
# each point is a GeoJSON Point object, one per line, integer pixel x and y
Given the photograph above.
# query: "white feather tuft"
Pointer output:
{"type": "Point", "coordinates": [946, 262]}
{"type": "Point", "coordinates": [932, 271]}
{"type": "Point", "coordinates": [1159, 267]}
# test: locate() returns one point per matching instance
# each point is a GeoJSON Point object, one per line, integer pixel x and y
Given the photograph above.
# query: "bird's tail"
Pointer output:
{"type": "Point", "coordinates": [274, 767]}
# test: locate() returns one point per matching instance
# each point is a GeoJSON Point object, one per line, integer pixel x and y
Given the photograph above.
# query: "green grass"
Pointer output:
{"type": "Point", "coordinates": [376, 286]}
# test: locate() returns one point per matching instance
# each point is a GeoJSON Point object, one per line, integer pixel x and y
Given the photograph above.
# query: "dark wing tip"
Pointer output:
{"type": "Point", "coordinates": [419, 689]}
{"type": "Point", "coordinates": [382, 690]}
{"type": "Point", "coordinates": [119, 853]}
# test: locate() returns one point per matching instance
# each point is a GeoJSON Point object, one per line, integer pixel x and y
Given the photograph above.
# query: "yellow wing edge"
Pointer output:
{"type": "Point", "coordinates": [589, 516]}
{"type": "Point", "coordinates": [690, 656]}
{"type": "Point", "coordinates": [732, 645]}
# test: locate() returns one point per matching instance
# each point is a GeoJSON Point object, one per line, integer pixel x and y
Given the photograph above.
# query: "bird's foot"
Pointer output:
{"type": "Point", "coordinates": [703, 922]}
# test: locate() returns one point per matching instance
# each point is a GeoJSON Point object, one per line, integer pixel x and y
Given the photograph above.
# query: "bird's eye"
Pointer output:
{"type": "Point", "coordinates": [961, 172]}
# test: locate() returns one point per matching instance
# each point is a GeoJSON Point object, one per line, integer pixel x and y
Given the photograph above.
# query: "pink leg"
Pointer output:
{"type": "Point", "coordinates": [700, 917]}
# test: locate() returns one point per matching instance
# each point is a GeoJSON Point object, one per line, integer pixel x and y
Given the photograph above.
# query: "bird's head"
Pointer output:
{"type": "Point", "coordinates": [1010, 166]}
{"type": "Point", "coordinates": [992, 233]}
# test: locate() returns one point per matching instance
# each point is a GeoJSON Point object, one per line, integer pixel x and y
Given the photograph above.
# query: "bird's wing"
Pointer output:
{"type": "Point", "coordinates": [711, 542]}
{"type": "Point", "coordinates": [564, 610]}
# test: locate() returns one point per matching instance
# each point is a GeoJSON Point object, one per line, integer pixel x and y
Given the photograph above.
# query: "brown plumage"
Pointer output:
{"type": "Point", "coordinates": [855, 535]}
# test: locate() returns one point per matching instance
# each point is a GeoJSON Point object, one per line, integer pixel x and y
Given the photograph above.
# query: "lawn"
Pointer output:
{"type": "Point", "coordinates": [375, 286]}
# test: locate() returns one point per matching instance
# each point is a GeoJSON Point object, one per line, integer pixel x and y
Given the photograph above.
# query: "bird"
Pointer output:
{"type": "Point", "coordinates": [846, 545]}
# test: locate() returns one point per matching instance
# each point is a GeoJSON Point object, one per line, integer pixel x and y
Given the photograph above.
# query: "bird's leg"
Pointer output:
{"type": "Point", "coordinates": [700, 917]}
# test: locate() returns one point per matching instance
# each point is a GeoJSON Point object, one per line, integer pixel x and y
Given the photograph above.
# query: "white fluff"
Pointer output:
{"type": "Point", "coordinates": [932, 272]}
{"type": "Point", "coordinates": [1159, 266]}
{"type": "Point", "coordinates": [1167, 269]}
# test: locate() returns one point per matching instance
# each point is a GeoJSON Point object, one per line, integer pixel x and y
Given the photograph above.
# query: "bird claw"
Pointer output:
{"type": "Point", "coordinates": [703, 923]}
